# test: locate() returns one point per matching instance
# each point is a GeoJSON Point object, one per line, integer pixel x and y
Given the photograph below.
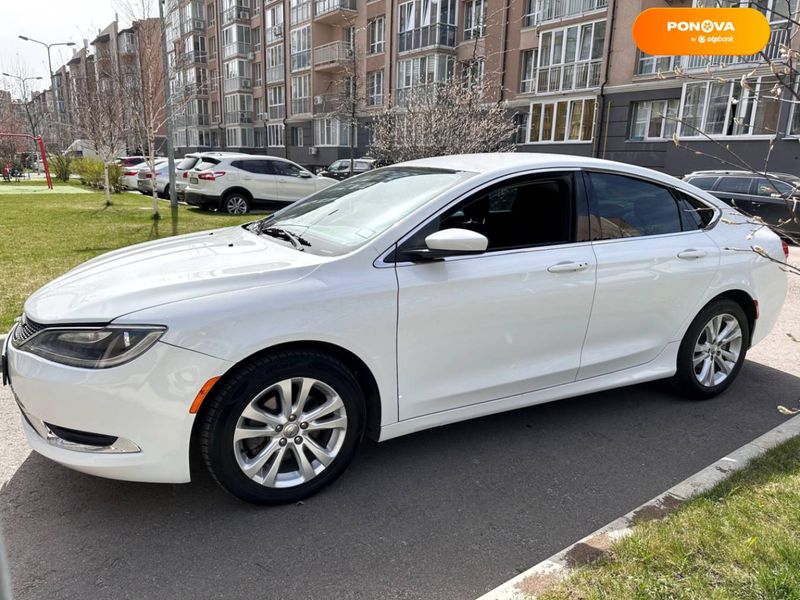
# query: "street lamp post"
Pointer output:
{"type": "Point", "coordinates": [50, 67]}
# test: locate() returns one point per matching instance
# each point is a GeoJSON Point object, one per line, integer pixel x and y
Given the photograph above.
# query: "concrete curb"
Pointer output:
{"type": "Point", "coordinates": [542, 576]}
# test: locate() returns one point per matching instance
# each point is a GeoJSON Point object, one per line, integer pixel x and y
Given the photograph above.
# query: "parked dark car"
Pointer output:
{"type": "Point", "coordinates": [767, 196]}
{"type": "Point", "coordinates": [341, 168]}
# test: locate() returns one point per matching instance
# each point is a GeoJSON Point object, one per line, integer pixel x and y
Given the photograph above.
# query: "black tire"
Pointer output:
{"type": "Point", "coordinates": [223, 409]}
{"type": "Point", "coordinates": [165, 194]}
{"type": "Point", "coordinates": [686, 378]}
{"type": "Point", "coordinates": [232, 200]}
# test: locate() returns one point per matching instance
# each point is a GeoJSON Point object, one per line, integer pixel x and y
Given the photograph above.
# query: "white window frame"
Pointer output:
{"type": "Point", "coordinates": [330, 131]}
{"type": "Point", "coordinates": [650, 61]}
{"type": "Point", "coordinates": [375, 83]}
{"type": "Point", "coordinates": [570, 113]}
{"type": "Point", "coordinates": [686, 132]}
{"type": "Point", "coordinates": [556, 61]}
{"type": "Point", "coordinates": [275, 135]}
{"type": "Point", "coordinates": [544, 11]}
{"type": "Point", "coordinates": [528, 71]}
{"type": "Point", "coordinates": [474, 19]}
{"type": "Point", "coordinates": [300, 48]}
{"type": "Point", "coordinates": [376, 37]}
{"type": "Point", "coordinates": [301, 84]}
{"type": "Point", "coordinates": [669, 125]}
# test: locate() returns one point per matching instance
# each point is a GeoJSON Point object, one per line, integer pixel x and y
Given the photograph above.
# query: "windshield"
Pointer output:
{"type": "Point", "coordinates": [348, 215]}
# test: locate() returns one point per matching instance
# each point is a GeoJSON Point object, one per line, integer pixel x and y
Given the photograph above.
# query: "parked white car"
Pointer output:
{"type": "Point", "coordinates": [146, 179]}
{"type": "Point", "coordinates": [130, 176]}
{"type": "Point", "coordinates": [409, 297]}
{"type": "Point", "coordinates": [187, 163]}
{"type": "Point", "coordinates": [235, 184]}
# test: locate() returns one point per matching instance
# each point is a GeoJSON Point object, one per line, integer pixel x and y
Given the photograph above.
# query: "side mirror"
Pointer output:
{"type": "Point", "coordinates": [306, 175]}
{"type": "Point", "coordinates": [450, 242]}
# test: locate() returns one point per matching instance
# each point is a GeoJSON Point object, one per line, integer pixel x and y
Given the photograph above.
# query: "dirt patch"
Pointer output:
{"type": "Point", "coordinates": [537, 584]}
{"type": "Point", "coordinates": [589, 551]}
{"type": "Point", "coordinates": [657, 510]}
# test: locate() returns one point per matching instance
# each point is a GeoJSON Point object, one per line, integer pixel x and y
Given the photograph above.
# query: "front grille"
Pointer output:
{"type": "Point", "coordinates": [24, 330]}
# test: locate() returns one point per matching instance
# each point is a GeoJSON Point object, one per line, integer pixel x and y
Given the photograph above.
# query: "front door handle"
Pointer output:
{"type": "Point", "coordinates": [691, 254]}
{"type": "Point", "coordinates": [568, 267]}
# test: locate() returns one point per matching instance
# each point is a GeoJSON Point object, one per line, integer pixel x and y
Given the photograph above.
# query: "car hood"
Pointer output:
{"type": "Point", "coordinates": [169, 270]}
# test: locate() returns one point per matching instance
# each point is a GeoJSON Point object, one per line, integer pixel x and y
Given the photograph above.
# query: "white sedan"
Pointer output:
{"type": "Point", "coordinates": [406, 298]}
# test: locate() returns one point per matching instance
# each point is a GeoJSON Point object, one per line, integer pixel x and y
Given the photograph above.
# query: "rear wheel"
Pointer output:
{"type": "Point", "coordinates": [236, 203]}
{"type": "Point", "coordinates": [282, 427]}
{"type": "Point", "coordinates": [713, 350]}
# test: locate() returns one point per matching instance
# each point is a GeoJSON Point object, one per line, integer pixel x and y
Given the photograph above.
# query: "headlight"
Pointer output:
{"type": "Point", "coordinates": [93, 348]}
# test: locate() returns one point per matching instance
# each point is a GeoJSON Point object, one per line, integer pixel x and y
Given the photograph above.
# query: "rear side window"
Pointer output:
{"type": "Point", "coordinates": [704, 183]}
{"type": "Point", "coordinates": [260, 167]}
{"type": "Point", "coordinates": [206, 163]}
{"type": "Point", "coordinates": [694, 214]}
{"type": "Point", "coordinates": [629, 207]}
{"type": "Point", "coordinates": [734, 185]}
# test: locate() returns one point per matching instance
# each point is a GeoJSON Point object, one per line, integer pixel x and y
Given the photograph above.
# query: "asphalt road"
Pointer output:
{"type": "Point", "coordinates": [448, 513]}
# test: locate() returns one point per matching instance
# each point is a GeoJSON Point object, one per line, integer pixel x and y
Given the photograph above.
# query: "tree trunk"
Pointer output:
{"type": "Point", "coordinates": [106, 183]}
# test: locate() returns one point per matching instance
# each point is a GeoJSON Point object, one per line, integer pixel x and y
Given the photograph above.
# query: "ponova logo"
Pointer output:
{"type": "Point", "coordinates": [707, 26]}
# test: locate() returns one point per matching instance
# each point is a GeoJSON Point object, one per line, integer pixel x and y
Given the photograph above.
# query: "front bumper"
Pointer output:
{"type": "Point", "coordinates": [144, 404]}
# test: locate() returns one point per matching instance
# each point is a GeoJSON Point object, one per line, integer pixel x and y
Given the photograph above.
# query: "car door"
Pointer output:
{"type": "Point", "coordinates": [256, 176]}
{"type": "Point", "coordinates": [654, 264]}
{"type": "Point", "coordinates": [293, 182]}
{"type": "Point", "coordinates": [735, 191]}
{"type": "Point", "coordinates": [509, 321]}
{"type": "Point", "coordinates": [772, 201]}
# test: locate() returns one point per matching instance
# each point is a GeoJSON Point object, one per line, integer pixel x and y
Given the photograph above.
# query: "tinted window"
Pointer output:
{"type": "Point", "coordinates": [734, 185]}
{"type": "Point", "coordinates": [187, 163]}
{"type": "Point", "coordinates": [286, 168]}
{"type": "Point", "coordinates": [694, 214]}
{"type": "Point", "coordinates": [530, 212]}
{"type": "Point", "coordinates": [630, 207]}
{"type": "Point", "coordinates": [206, 163]}
{"type": "Point", "coordinates": [774, 187]}
{"type": "Point", "coordinates": [260, 167]}
{"type": "Point", "coordinates": [704, 183]}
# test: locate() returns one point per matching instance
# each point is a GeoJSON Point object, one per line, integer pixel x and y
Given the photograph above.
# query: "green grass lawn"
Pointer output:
{"type": "Point", "coordinates": [740, 540]}
{"type": "Point", "coordinates": [42, 235]}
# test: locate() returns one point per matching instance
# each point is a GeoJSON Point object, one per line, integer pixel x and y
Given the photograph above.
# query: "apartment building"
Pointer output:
{"type": "Point", "coordinates": [266, 76]}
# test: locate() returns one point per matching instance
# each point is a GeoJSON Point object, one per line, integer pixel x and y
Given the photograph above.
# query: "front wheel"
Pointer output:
{"type": "Point", "coordinates": [713, 350]}
{"type": "Point", "coordinates": [281, 427]}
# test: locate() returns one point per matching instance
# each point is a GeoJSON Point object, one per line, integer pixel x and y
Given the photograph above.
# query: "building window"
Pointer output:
{"type": "Point", "coordinates": [275, 63]}
{"type": "Point", "coordinates": [529, 18]}
{"type": "Point", "coordinates": [256, 39]}
{"type": "Point", "coordinates": [420, 74]}
{"type": "Point", "coordinates": [375, 88]}
{"type": "Point", "coordinates": [239, 137]}
{"type": "Point", "coordinates": [301, 94]}
{"type": "Point", "coordinates": [297, 137]}
{"type": "Point", "coordinates": [300, 10]}
{"type": "Point", "coordinates": [562, 121]}
{"type": "Point", "coordinates": [258, 107]}
{"type": "Point", "coordinates": [375, 35]}
{"type": "Point", "coordinates": [521, 127]}
{"type": "Point", "coordinates": [528, 76]}
{"type": "Point", "coordinates": [275, 135]}
{"type": "Point", "coordinates": [257, 74]}
{"type": "Point", "coordinates": [406, 20]}
{"type": "Point", "coordinates": [570, 58]}
{"type": "Point", "coordinates": [329, 131]}
{"type": "Point", "coordinates": [653, 65]}
{"type": "Point", "coordinates": [541, 11]}
{"type": "Point", "coordinates": [725, 108]}
{"type": "Point", "coordinates": [474, 19]}
{"type": "Point", "coordinates": [473, 72]}
{"type": "Point", "coordinates": [276, 102]}
{"type": "Point", "coordinates": [256, 7]}
{"type": "Point", "coordinates": [273, 23]}
{"type": "Point", "coordinates": [301, 48]}
{"type": "Point", "coordinates": [654, 119]}
{"type": "Point", "coordinates": [259, 138]}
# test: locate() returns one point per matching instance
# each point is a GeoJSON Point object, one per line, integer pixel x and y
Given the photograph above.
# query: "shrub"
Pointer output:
{"type": "Point", "coordinates": [90, 171]}
{"type": "Point", "coordinates": [61, 166]}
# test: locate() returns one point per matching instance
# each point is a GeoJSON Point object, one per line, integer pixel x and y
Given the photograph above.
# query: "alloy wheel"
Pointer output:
{"type": "Point", "coordinates": [290, 432]}
{"type": "Point", "coordinates": [717, 350]}
{"type": "Point", "coordinates": [236, 205]}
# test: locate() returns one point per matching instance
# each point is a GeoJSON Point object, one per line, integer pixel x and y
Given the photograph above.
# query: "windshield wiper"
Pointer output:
{"type": "Point", "coordinates": [282, 234]}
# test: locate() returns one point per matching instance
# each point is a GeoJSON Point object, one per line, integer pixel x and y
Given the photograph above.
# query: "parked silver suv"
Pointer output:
{"type": "Point", "coordinates": [237, 183]}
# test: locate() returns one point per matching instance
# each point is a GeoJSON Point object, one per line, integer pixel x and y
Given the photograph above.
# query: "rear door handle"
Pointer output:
{"type": "Point", "coordinates": [691, 254]}
{"type": "Point", "coordinates": [568, 267]}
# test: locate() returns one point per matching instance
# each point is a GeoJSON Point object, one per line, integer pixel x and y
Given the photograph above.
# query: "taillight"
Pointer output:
{"type": "Point", "coordinates": [211, 175]}
{"type": "Point", "coordinates": [131, 173]}
{"type": "Point", "coordinates": [185, 174]}
{"type": "Point", "coordinates": [785, 249]}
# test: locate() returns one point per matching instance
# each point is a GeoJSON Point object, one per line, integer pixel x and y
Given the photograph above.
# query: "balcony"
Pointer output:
{"type": "Point", "coordinates": [193, 26]}
{"type": "Point", "coordinates": [333, 55]}
{"type": "Point", "coordinates": [331, 102]}
{"type": "Point", "coordinates": [239, 117]}
{"type": "Point", "coordinates": [301, 106]}
{"type": "Point", "coordinates": [236, 14]}
{"type": "Point", "coordinates": [276, 112]}
{"type": "Point", "coordinates": [198, 120]}
{"type": "Point", "coordinates": [301, 60]}
{"type": "Point", "coordinates": [241, 49]}
{"type": "Point", "coordinates": [777, 38]}
{"type": "Point", "coordinates": [275, 73]}
{"type": "Point", "coordinates": [195, 89]}
{"type": "Point", "coordinates": [238, 84]}
{"type": "Point", "coordinates": [335, 12]}
{"type": "Point", "coordinates": [564, 78]}
{"type": "Point", "coordinates": [430, 36]}
{"type": "Point", "coordinates": [127, 44]}
{"type": "Point", "coordinates": [193, 58]}
{"type": "Point", "coordinates": [547, 10]}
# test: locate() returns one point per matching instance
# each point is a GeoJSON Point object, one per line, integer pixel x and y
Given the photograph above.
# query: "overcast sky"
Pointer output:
{"type": "Point", "coordinates": [49, 21]}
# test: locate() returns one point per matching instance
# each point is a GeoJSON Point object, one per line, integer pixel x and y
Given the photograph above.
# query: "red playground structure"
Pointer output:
{"type": "Point", "coordinates": [38, 139]}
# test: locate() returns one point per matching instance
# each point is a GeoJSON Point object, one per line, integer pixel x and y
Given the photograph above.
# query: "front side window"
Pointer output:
{"type": "Point", "coordinates": [628, 207]}
{"type": "Point", "coordinates": [346, 216]}
{"type": "Point", "coordinates": [774, 188]}
{"type": "Point", "coordinates": [286, 169]}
